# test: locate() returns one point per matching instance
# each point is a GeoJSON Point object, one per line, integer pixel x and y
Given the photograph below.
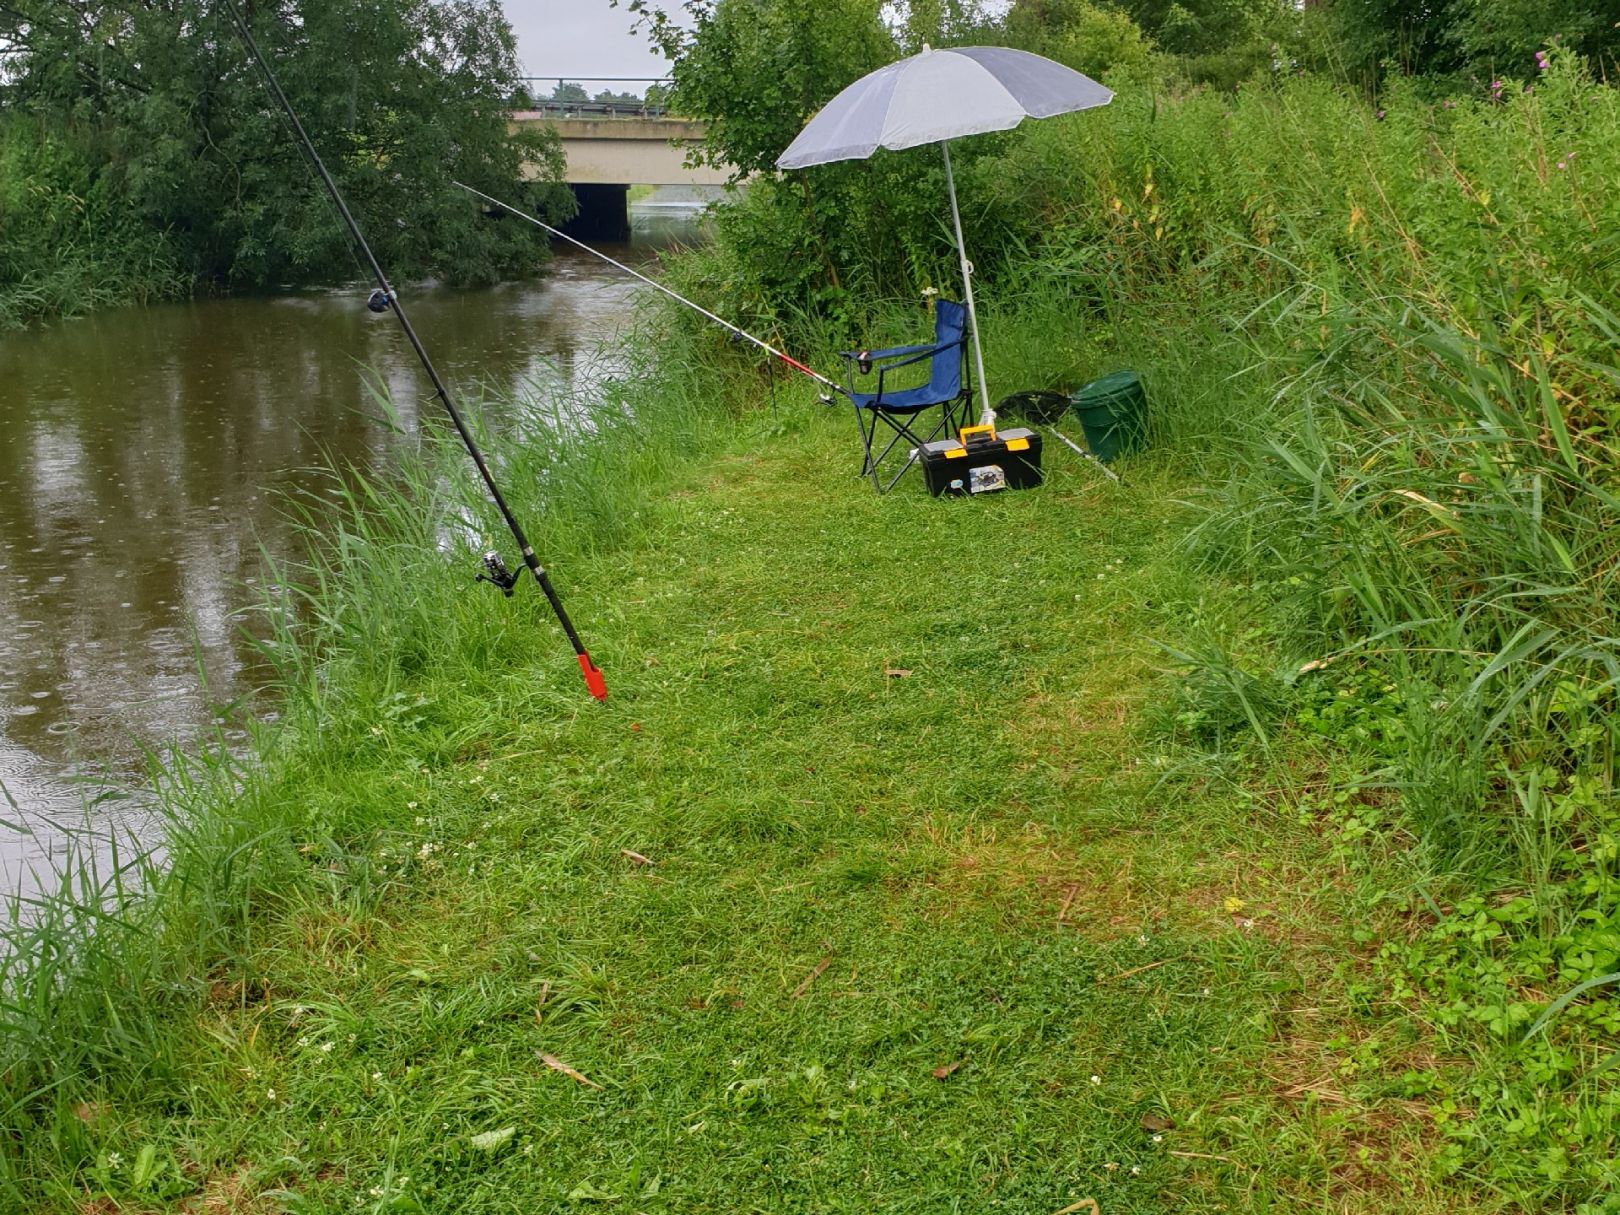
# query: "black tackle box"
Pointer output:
{"type": "Point", "coordinates": [981, 460]}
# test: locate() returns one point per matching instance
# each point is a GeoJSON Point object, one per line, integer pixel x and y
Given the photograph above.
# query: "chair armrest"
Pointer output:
{"type": "Point", "coordinates": [874, 355]}
{"type": "Point", "coordinates": [915, 354]}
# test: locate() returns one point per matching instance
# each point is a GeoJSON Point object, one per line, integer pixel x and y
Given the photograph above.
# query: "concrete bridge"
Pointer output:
{"type": "Point", "coordinates": [609, 154]}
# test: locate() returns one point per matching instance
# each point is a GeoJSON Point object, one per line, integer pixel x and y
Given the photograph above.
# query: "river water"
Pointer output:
{"type": "Point", "coordinates": [145, 456]}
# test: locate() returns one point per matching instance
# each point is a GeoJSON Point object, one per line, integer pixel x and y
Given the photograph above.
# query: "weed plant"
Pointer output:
{"type": "Point", "coordinates": [67, 248]}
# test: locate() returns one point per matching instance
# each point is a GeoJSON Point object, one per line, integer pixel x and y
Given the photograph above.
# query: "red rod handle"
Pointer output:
{"type": "Point", "coordinates": [594, 681]}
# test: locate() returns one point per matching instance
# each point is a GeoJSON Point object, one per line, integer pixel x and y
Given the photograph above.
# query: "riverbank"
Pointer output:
{"type": "Point", "coordinates": [1237, 837]}
{"type": "Point", "coordinates": [881, 881]}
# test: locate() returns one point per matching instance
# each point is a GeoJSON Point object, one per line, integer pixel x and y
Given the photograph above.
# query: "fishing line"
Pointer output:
{"type": "Point", "coordinates": [384, 299]}
{"type": "Point", "coordinates": [674, 295]}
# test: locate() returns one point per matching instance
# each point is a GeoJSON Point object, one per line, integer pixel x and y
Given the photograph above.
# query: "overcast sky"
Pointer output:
{"type": "Point", "coordinates": [579, 39]}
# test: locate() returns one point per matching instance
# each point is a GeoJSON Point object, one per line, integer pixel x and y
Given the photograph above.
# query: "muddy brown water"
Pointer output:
{"type": "Point", "coordinates": [145, 456]}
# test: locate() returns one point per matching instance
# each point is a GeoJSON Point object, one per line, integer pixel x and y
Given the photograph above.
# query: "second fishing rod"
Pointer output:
{"type": "Point", "coordinates": [826, 384]}
{"type": "Point", "coordinates": [384, 299]}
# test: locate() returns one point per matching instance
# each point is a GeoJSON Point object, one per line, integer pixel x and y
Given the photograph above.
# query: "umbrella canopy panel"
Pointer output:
{"type": "Point", "coordinates": [940, 95]}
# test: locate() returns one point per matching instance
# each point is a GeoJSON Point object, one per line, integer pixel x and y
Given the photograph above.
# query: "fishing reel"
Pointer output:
{"type": "Point", "coordinates": [379, 301]}
{"type": "Point", "coordinates": [497, 574]}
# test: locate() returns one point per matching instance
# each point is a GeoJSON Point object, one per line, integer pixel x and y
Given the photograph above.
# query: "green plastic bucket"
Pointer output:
{"type": "Point", "coordinates": [1113, 413]}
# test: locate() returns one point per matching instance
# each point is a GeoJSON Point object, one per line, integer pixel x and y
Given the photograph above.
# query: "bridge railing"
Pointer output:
{"type": "Point", "coordinates": [562, 97]}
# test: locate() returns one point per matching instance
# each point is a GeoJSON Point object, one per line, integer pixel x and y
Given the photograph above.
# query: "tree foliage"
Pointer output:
{"type": "Point", "coordinates": [756, 70]}
{"type": "Point", "coordinates": [169, 119]}
{"type": "Point", "coordinates": [1449, 38]}
{"type": "Point", "coordinates": [1090, 38]}
{"type": "Point", "coordinates": [1202, 27]}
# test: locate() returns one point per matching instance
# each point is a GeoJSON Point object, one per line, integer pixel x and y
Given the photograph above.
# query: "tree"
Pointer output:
{"type": "Point", "coordinates": [1502, 36]}
{"type": "Point", "coordinates": [1087, 37]}
{"type": "Point", "coordinates": [1359, 37]}
{"type": "Point", "coordinates": [569, 92]}
{"type": "Point", "coordinates": [400, 96]}
{"type": "Point", "coordinates": [1203, 27]}
{"type": "Point", "coordinates": [822, 239]}
{"type": "Point", "coordinates": [755, 70]}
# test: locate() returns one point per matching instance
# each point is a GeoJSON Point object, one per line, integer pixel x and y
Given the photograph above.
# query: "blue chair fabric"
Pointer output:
{"type": "Point", "coordinates": [900, 410]}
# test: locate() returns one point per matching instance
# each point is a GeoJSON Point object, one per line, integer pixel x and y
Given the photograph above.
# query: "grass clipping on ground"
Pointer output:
{"type": "Point", "coordinates": [863, 892]}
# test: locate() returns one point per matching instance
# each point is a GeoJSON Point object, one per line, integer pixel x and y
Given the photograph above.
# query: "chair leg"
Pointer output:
{"type": "Point", "coordinates": [953, 416]}
{"type": "Point", "coordinates": [866, 440]}
{"type": "Point", "coordinates": [902, 433]}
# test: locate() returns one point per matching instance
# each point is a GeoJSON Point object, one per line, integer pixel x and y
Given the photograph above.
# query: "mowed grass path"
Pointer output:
{"type": "Point", "coordinates": [924, 924]}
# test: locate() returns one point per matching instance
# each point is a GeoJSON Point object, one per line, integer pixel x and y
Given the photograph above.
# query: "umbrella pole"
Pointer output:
{"type": "Point", "coordinates": [987, 415]}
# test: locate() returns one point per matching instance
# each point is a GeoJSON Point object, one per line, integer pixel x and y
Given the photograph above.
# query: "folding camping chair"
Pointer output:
{"type": "Point", "coordinates": [900, 409]}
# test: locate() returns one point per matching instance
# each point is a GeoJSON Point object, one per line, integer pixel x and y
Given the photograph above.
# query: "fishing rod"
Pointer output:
{"type": "Point", "coordinates": [1083, 453]}
{"type": "Point", "coordinates": [383, 299]}
{"type": "Point", "coordinates": [725, 324]}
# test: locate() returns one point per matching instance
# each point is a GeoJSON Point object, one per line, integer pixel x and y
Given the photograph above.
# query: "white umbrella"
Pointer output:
{"type": "Point", "coordinates": [936, 97]}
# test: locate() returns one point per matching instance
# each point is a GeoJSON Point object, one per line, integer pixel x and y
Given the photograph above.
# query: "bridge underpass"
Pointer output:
{"type": "Point", "coordinates": [608, 155]}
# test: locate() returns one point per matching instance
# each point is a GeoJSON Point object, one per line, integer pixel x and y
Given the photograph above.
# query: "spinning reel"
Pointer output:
{"type": "Point", "coordinates": [497, 574]}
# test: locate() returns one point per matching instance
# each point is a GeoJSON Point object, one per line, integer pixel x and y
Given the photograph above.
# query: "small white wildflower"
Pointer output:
{"type": "Point", "coordinates": [304, 1041]}
{"type": "Point", "coordinates": [351, 1039]}
{"type": "Point", "coordinates": [114, 1160]}
{"type": "Point", "coordinates": [377, 730]}
{"type": "Point", "coordinates": [411, 806]}
{"type": "Point", "coordinates": [1135, 1169]}
{"type": "Point", "coordinates": [326, 1048]}
{"type": "Point", "coordinates": [376, 1075]}
{"type": "Point", "coordinates": [1096, 1079]}
{"type": "Point", "coordinates": [375, 1191]}
{"type": "Point", "coordinates": [1111, 1166]}
{"type": "Point", "coordinates": [270, 1094]}
{"type": "Point", "coordinates": [1158, 1139]}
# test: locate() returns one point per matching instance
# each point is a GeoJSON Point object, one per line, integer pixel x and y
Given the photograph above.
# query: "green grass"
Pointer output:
{"type": "Point", "coordinates": [893, 764]}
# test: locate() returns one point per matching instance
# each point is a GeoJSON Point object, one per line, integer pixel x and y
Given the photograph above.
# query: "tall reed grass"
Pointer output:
{"type": "Point", "coordinates": [1403, 396]}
